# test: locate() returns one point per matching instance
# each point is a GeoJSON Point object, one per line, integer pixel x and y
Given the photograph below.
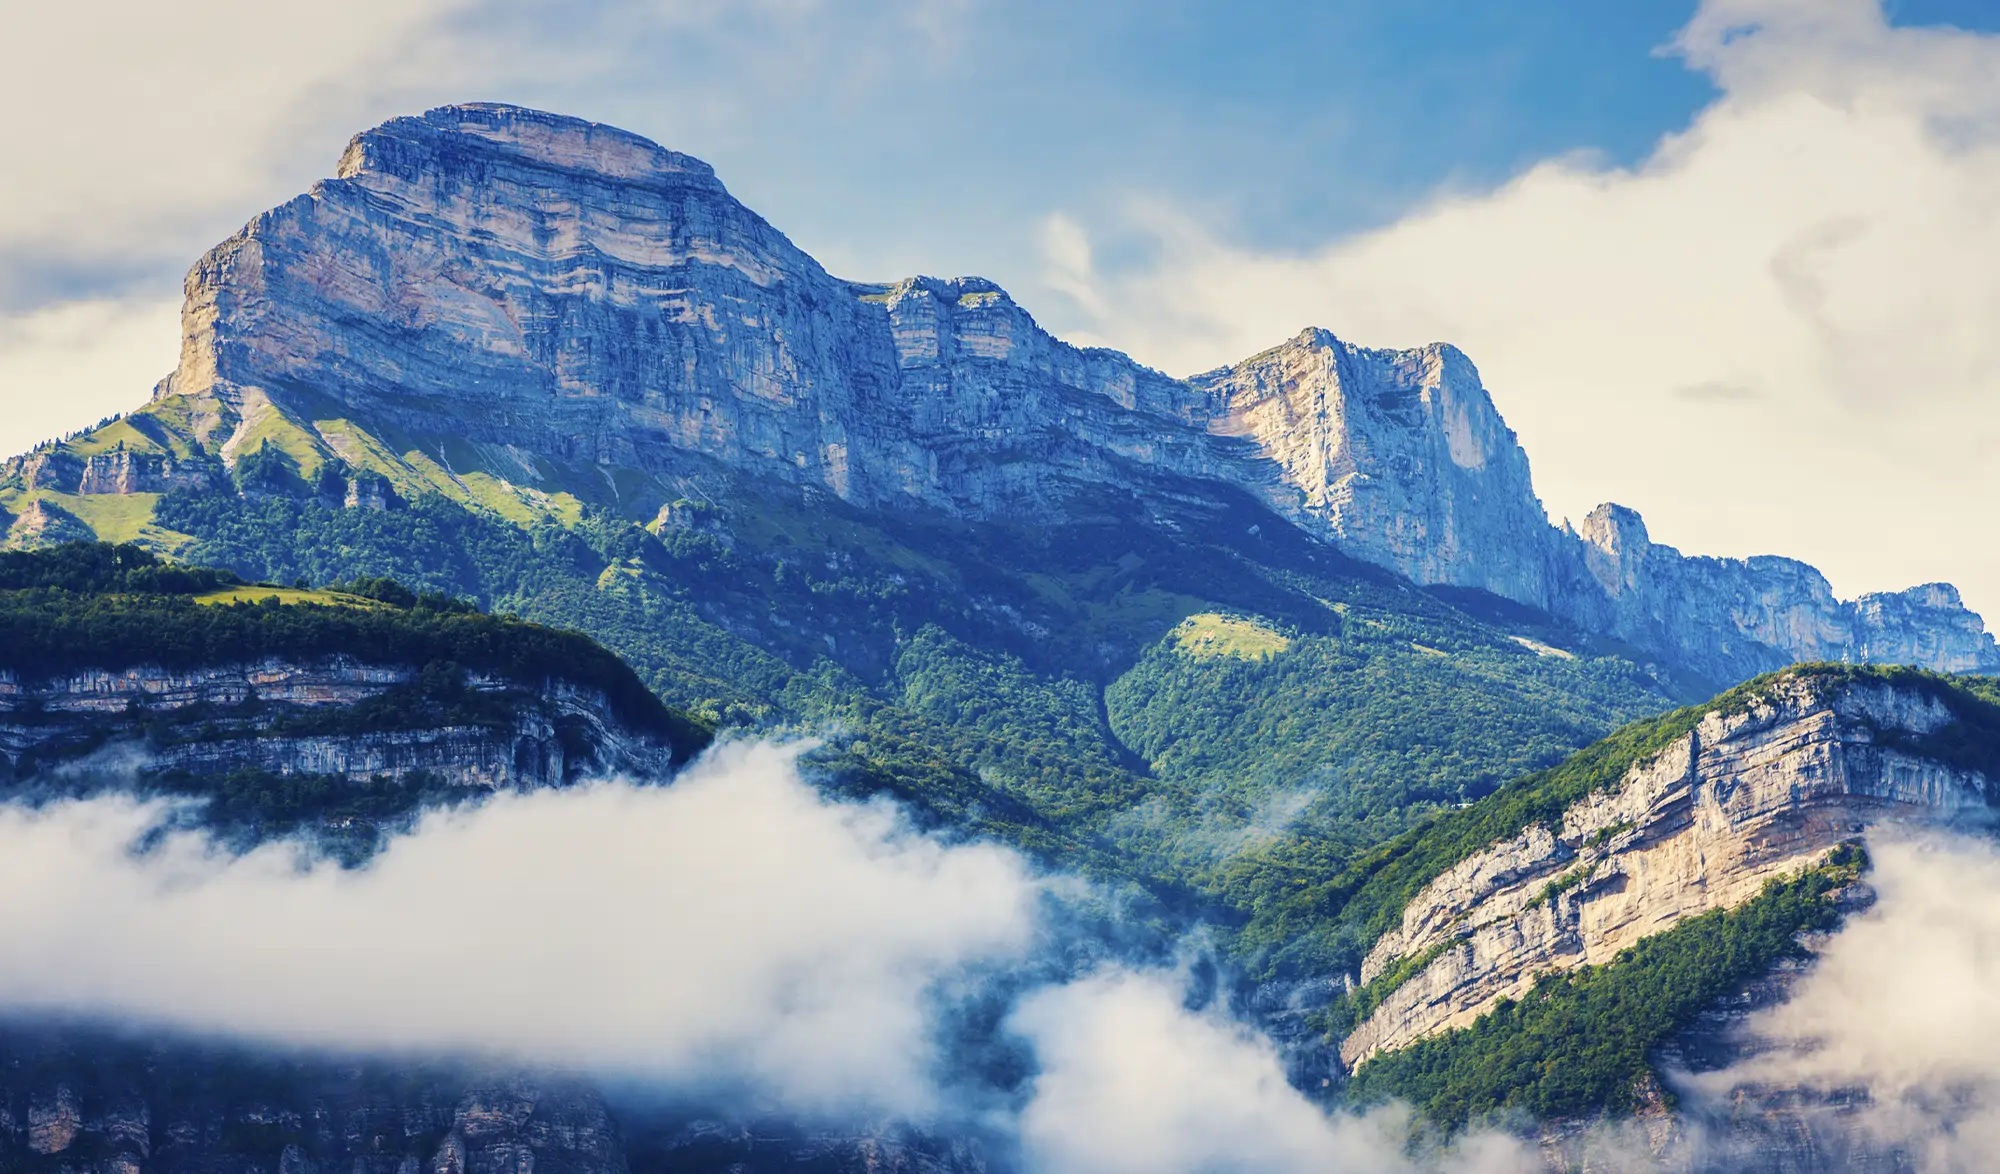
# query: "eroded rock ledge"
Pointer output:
{"type": "Point", "coordinates": [1743, 797]}
{"type": "Point", "coordinates": [217, 719]}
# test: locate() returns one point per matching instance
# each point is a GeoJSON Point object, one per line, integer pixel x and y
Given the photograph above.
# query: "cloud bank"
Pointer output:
{"type": "Point", "coordinates": [732, 926]}
{"type": "Point", "coordinates": [739, 934]}
{"type": "Point", "coordinates": [734, 935]}
{"type": "Point", "coordinates": [1895, 1031]}
{"type": "Point", "coordinates": [1772, 335]}
{"type": "Point", "coordinates": [1133, 1082]}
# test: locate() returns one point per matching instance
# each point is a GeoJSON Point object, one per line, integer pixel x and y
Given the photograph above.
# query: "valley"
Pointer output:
{"type": "Point", "coordinates": [519, 455]}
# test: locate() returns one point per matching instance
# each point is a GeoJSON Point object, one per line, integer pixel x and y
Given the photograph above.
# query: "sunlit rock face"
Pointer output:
{"type": "Point", "coordinates": [1399, 455]}
{"type": "Point", "coordinates": [585, 298]}
{"type": "Point", "coordinates": [210, 721]}
{"type": "Point", "coordinates": [1744, 797]}
{"type": "Point", "coordinates": [565, 302]}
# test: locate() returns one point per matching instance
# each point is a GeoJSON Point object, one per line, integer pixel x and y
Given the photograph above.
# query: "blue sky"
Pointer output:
{"type": "Point", "coordinates": [887, 137]}
{"type": "Point", "coordinates": [1700, 252]}
{"type": "Point", "coordinates": [1281, 124]}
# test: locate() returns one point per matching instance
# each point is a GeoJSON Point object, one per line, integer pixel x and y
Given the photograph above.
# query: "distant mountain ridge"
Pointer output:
{"type": "Point", "coordinates": [517, 309]}
{"type": "Point", "coordinates": [1260, 649]}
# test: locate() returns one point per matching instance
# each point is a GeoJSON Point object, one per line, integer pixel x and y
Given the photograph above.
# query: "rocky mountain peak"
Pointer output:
{"type": "Point", "coordinates": [1615, 546]}
{"type": "Point", "coordinates": [451, 138]}
{"type": "Point", "coordinates": [532, 305]}
{"type": "Point", "coordinates": [1400, 454]}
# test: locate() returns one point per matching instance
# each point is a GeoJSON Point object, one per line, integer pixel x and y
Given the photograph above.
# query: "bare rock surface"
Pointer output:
{"type": "Point", "coordinates": [222, 718]}
{"type": "Point", "coordinates": [492, 301]}
{"type": "Point", "coordinates": [1744, 797]}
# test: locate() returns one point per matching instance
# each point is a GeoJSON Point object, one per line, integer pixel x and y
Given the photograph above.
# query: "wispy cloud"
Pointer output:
{"type": "Point", "coordinates": [734, 926]}
{"type": "Point", "coordinates": [732, 938]}
{"type": "Point", "coordinates": [1133, 1082]}
{"type": "Point", "coordinates": [1816, 250]}
{"type": "Point", "coordinates": [1893, 1033]}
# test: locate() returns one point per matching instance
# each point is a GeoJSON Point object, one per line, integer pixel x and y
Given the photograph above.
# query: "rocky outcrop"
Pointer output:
{"type": "Point", "coordinates": [50, 469]}
{"type": "Point", "coordinates": [1743, 797]}
{"type": "Point", "coordinates": [1399, 455]}
{"type": "Point", "coordinates": [551, 304]}
{"type": "Point", "coordinates": [87, 1102]}
{"type": "Point", "coordinates": [369, 491]}
{"type": "Point", "coordinates": [1735, 618]}
{"type": "Point", "coordinates": [284, 718]}
{"type": "Point", "coordinates": [42, 522]}
{"type": "Point", "coordinates": [130, 471]}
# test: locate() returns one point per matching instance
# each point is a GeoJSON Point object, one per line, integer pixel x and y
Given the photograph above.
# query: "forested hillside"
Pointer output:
{"type": "Point", "coordinates": [1056, 686]}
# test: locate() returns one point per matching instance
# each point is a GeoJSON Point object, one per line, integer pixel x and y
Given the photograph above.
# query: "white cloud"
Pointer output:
{"type": "Point", "coordinates": [68, 365]}
{"type": "Point", "coordinates": [733, 932]}
{"type": "Point", "coordinates": [1132, 1082]}
{"type": "Point", "coordinates": [1773, 335]}
{"type": "Point", "coordinates": [143, 130]}
{"type": "Point", "coordinates": [1903, 1004]}
{"type": "Point", "coordinates": [732, 926]}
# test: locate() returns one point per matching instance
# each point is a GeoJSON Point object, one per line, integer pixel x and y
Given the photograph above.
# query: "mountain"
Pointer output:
{"type": "Point", "coordinates": [1287, 651]}
{"type": "Point", "coordinates": [1623, 896]}
{"type": "Point", "coordinates": [1577, 925]}
{"type": "Point", "coordinates": [526, 311]}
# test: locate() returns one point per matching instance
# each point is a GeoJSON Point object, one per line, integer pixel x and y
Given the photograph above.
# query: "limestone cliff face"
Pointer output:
{"type": "Point", "coordinates": [177, 1108]}
{"type": "Point", "coordinates": [558, 294]}
{"type": "Point", "coordinates": [1744, 797]}
{"type": "Point", "coordinates": [489, 301]}
{"type": "Point", "coordinates": [1741, 617]}
{"type": "Point", "coordinates": [219, 719]}
{"type": "Point", "coordinates": [1398, 455]}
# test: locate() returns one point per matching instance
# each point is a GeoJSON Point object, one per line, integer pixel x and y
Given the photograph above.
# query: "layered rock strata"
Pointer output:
{"type": "Point", "coordinates": [186, 1109]}
{"type": "Point", "coordinates": [489, 300]}
{"type": "Point", "coordinates": [81, 1101]}
{"type": "Point", "coordinates": [219, 719]}
{"type": "Point", "coordinates": [1742, 798]}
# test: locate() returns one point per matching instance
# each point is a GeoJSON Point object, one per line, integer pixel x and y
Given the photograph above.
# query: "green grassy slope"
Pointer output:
{"type": "Point", "coordinates": [1049, 667]}
{"type": "Point", "coordinates": [1185, 692]}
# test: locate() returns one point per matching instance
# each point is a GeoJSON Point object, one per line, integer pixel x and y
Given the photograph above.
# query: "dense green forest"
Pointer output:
{"type": "Point", "coordinates": [118, 607]}
{"type": "Point", "coordinates": [1026, 681]}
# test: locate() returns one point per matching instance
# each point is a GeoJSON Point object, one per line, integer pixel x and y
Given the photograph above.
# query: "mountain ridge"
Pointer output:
{"type": "Point", "coordinates": [1258, 650]}
{"type": "Point", "coordinates": [521, 310]}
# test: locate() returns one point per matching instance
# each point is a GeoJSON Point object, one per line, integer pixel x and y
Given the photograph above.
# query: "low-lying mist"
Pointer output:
{"type": "Point", "coordinates": [1893, 1035]}
{"type": "Point", "coordinates": [734, 934]}
{"type": "Point", "coordinates": [732, 924]}
{"type": "Point", "coordinates": [738, 934]}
